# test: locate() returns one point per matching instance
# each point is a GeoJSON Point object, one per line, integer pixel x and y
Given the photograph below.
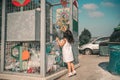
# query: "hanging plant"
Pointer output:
{"type": "Point", "coordinates": [20, 3]}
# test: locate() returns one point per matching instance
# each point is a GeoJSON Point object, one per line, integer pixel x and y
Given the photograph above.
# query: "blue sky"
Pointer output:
{"type": "Point", "coordinates": [100, 17]}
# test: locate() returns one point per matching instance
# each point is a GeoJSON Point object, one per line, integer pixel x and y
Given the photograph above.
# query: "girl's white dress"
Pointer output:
{"type": "Point", "coordinates": [67, 52]}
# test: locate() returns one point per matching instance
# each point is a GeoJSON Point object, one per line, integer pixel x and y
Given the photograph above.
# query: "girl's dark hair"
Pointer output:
{"type": "Point", "coordinates": [69, 36]}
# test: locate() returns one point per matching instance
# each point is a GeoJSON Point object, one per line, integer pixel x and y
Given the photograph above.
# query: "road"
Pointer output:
{"type": "Point", "coordinates": [92, 67]}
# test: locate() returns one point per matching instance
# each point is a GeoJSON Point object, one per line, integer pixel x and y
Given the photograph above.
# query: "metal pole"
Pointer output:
{"type": "Point", "coordinates": [3, 35]}
{"type": "Point", "coordinates": [43, 38]}
{"type": "Point", "coordinates": [51, 23]}
{"type": "Point", "coordinates": [21, 8]}
{"type": "Point", "coordinates": [71, 15]}
{"type": "Point", "coordinates": [78, 21]}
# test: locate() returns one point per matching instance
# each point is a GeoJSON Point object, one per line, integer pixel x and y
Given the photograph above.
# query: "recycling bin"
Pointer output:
{"type": "Point", "coordinates": [114, 60]}
{"type": "Point", "coordinates": [103, 49]}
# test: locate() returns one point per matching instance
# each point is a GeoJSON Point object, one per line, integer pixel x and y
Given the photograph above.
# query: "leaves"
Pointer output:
{"type": "Point", "coordinates": [115, 37]}
{"type": "Point", "coordinates": [84, 37]}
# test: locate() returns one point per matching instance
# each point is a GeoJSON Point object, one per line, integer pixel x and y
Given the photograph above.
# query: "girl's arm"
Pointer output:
{"type": "Point", "coordinates": [60, 42]}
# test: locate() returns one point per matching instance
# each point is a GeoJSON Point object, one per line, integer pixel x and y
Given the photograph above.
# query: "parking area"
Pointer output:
{"type": "Point", "coordinates": [92, 67]}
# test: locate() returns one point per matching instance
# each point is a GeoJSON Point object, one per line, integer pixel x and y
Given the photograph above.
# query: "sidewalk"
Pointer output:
{"type": "Point", "coordinates": [92, 67]}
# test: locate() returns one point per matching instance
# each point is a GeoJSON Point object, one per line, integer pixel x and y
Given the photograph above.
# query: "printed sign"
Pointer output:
{"type": "Point", "coordinates": [20, 3]}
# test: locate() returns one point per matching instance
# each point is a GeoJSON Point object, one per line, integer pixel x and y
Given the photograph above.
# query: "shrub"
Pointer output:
{"type": "Point", "coordinates": [115, 36]}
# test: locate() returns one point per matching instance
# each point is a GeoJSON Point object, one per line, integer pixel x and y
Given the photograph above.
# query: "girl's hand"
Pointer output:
{"type": "Point", "coordinates": [60, 42]}
{"type": "Point", "coordinates": [57, 39]}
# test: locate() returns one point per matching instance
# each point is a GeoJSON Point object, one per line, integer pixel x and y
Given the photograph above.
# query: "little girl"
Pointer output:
{"type": "Point", "coordinates": [65, 43]}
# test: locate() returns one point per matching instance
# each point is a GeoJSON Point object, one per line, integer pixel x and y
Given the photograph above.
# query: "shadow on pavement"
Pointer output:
{"type": "Point", "coordinates": [104, 65]}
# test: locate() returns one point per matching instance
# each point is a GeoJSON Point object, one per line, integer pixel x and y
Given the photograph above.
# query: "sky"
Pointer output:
{"type": "Point", "coordinates": [100, 17]}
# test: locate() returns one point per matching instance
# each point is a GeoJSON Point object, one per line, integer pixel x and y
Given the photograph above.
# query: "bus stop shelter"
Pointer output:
{"type": "Point", "coordinates": [28, 47]}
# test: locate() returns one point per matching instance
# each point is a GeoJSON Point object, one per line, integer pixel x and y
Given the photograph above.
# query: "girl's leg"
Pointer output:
{"type": "Point", "coordinates": [73, 69]}
{"type": "Point", "coordinates": [69, 67]}
{"type": "Point", "coordinates": [72, 66]}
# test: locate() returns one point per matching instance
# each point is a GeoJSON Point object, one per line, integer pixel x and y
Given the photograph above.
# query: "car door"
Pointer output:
{"type": "Point", "coordinates": [95, 45]}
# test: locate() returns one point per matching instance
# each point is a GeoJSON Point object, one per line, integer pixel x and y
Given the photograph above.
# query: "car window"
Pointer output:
{"type": "Point", "coordinates": [104, 39]}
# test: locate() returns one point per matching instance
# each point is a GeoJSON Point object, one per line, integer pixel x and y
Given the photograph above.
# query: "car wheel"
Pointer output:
{"type": "Point", "coordinates": [81, 52]}
{"type": "Point", "coordinates": [87, 51]}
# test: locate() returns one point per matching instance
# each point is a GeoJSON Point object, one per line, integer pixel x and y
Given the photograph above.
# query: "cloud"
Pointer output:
{"type": "Point", "coordinates": [95, 14]}
{"type": "Point", "coordinates": [108, 4]}
{"type": "Point", "coordinates": [90, 6]}
{"type": "Point", "coordinates": [92, 10]}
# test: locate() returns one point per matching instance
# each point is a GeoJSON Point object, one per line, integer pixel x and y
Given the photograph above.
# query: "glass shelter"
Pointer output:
{"type": "Point", "coordinates": [28, 32]}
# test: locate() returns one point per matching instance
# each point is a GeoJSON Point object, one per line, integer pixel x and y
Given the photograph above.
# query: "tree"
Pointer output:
{"type": "Point", "coordinates": [84, 37]}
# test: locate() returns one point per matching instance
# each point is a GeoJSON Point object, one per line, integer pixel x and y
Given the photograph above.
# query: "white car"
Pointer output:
{"type": "Point", "coordinates": [93, 46]}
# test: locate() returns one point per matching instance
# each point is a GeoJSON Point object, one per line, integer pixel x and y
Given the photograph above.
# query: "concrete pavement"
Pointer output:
{"type": "Point", "coordinates": [92, 67]}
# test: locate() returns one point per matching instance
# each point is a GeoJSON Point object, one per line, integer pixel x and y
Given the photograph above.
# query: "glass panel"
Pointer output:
{"type": "Point", "coordinates": [22, 48]}
{"type": "Point", "coordinates": [22, 57]}
{"type": "Point", "coordinates": [53, 51]}
{"type": "Point", "coordinates": [60, 19]}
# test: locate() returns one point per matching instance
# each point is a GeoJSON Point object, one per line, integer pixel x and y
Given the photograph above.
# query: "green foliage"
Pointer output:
{"type": "Point", "coordinates": [84, 37]}
{"type": "Point", "coordinates": [115, 36]}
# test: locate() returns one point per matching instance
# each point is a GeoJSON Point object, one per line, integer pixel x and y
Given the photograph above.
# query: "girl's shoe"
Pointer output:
{"type": "Point", "coordinates": [70, 74]}
{"type": "Point", "coordinates": [74, 72]}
